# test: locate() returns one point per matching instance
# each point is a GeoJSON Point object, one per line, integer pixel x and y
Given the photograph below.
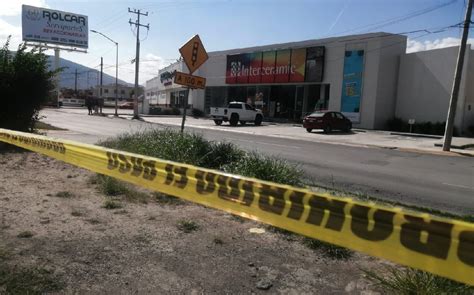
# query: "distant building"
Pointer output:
{"type": "Point", "coordinates": [368, 77]}
{"type": "Point", "coordinates": [108, 92]}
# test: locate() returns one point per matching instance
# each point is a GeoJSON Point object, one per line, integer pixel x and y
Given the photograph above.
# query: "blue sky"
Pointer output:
{"type": "Point", "coordinates": [227, 24]}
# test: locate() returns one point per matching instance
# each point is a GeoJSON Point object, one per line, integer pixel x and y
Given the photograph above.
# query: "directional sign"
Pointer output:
{"type": "Point", "coordinates": [189, 80]}
{"type": "Point", "coordinates": [193, 53]}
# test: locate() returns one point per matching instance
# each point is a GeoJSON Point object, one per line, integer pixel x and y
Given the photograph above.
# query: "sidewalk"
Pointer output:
{"type": "Point", "coordinates": [368, 138]}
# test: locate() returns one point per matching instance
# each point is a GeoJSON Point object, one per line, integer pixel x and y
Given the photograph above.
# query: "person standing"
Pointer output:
{"type": "Point", "coordinates": [89, 104]}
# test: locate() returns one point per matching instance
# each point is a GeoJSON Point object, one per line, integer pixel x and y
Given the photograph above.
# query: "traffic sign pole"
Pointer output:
{"type": "Point", "coordinates": [194, 55]}
{"type": "Point", "coordinates": [186, 97]}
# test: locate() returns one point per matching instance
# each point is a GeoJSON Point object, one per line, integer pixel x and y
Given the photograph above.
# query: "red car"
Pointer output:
{"type": "Point", "coordinates": [126, 105]}
{"type": "Point", "coordinates": [327, 121]}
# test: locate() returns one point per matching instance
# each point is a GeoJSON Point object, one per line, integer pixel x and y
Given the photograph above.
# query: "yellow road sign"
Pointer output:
{"type": "Point", "coordinates": [193, 53]}
{"type": "Point", "coordinates": [189, 80]}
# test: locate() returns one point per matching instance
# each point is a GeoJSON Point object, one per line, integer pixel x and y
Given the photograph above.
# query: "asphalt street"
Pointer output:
{"type": "Point", "coordinates": [436, 181]}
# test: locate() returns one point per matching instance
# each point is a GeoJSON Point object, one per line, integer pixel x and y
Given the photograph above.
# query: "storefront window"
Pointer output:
{"type": "Point", "coordinates": [262, 99]}
{"type": "Point", "coordinates": [238, 93]}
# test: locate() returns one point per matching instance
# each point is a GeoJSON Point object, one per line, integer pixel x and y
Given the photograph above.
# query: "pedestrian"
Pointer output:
{"type": "Point", "coordinates": [100, 103]}
{"type": "Point", "coordinates": [96, 105]}
{"type": "Point", "coordinates": [89, 105]}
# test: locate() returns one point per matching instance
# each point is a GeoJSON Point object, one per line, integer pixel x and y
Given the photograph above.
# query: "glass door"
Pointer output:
{"type": "Point", "coordinates": [299, 96]}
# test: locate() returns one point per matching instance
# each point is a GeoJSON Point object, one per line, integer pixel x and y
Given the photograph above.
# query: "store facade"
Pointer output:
{"type": "Point", "coordinates": [359, 75]}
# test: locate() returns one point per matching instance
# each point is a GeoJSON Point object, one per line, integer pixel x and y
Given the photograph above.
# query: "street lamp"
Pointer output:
{"type": "Point", "coordinates": [116, 68]}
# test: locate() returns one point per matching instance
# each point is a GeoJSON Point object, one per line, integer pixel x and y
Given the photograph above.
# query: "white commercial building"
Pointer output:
{"type": "Point", "coordinates": [369, 78]}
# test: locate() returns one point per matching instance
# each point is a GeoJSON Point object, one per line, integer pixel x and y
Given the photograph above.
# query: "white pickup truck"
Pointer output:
{"type": "Point", "coordinates": [237, 112]}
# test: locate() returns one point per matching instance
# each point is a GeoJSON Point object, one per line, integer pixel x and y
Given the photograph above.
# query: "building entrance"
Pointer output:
{"type": "Point", "coordinates": [276, 101]}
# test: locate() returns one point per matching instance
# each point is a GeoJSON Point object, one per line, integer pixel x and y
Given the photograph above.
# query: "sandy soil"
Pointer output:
{"type": "Point", "coordinates": [139, 249]}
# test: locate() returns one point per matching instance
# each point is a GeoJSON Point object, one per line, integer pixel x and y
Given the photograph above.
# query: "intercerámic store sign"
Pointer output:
{"type": "Point", "coordinates": [278, 66]}
{"type": "Point", "coordinates": [53, 26]}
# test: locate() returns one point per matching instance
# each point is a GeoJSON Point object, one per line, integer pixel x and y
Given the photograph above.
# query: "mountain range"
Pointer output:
{"type": "Point", "coordinates": [86, 77]}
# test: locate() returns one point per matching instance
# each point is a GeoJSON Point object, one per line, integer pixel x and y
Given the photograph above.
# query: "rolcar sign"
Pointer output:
{"type": "Point", "coordinates": [54, 27]}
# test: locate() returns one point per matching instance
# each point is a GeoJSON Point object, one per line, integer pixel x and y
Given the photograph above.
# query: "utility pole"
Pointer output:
{"type": "Point", "coordinates": [137, 57]}
{"type": "Point", "coordinates": [116, 68]}
{"type": "Point", "coordinates": [75, 83]}
{"type": "Point", "coordinates": [448, 133]}
{"type": "Point", "coordinates": [57, 75]}
{"type": "Point", "coordinates": [101, 71]}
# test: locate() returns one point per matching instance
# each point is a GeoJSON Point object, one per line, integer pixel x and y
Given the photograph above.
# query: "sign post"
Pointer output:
{"type": "Point", "coordinates": [194, 56]}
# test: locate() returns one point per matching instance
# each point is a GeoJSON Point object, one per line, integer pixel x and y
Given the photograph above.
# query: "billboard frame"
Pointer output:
{"type": "Point", "coordinates": [51, 44]}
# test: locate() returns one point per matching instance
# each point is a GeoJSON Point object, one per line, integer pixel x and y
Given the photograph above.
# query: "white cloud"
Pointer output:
{"type": "Point", "coordinates": [13, 7]}
{"type": "Point", "coordinates": [7, 29]}
{"type": "Point", "coordinates": [149, 66]}
{"type": "Point", "coordinates": [414, 46]}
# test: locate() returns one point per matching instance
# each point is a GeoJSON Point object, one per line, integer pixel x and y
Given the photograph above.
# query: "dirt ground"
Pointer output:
{"type": "Point", "coordinates": [139, 249]}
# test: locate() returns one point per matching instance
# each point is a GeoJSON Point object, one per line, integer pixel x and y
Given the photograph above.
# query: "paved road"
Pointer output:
{"type": "Point", "coordinates": [436, 181]}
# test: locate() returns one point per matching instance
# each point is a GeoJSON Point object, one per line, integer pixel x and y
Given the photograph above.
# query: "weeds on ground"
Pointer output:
{"type": "Point", "coordinates": [64, 194]}
{"type": "Point", "coordinates": [267, 168]}
{"type": "Point", "coordinates": [218, 241]}
{"type": "Point", "coordinates": [193, 149]}
{"type": "Point", "coordinates": [238, 218]}
{"type": "Point", "coordinates": [285, 234]}
{"type": "Point", "coordinates": [77, 213]}
{"type": "Point", "coordinates": [4, 254]}
{"type": "Point", "coordinates": [110, 186]}
{"type": "Point", "coordinates": [187, 226]}
{"type": "Point", "coordinates": [16, 280]}
{"type": "Point", "coordinates": [411, 281]}
{"type": "Point", "coordinates": [167, 199]}
{"type": "Point", "coordinates": [329, 250]}
{"type": "Point", "coordinates": [111, 205]}
{"type": "Point", "coordinates": [93, 221]}
{"type": "Point", "coordinates": [25, 235]}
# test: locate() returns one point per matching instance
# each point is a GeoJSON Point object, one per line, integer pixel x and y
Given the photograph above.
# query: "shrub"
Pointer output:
{"type": "Point", "coordinates": [197, 113]}
{"type": "Point", "coordinates": [193, 149]}
{"type": "Point", "coordinates": [175, 111]}
{"type": "Point", "coordinates": [173, 145]}
{"type": "Point", "coordinates": [266, 168]}
{"type": "Point", "coordinates": [155, 111]}
{"type": "Point", "coordinates": [164, 111]}
{"type": "Point", "coordinates": [437, 128]}
{"type": "Point", "coordinates": [25, 84]}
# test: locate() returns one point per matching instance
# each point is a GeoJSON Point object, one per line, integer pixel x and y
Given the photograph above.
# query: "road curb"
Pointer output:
{"type": "Point", "coordinates": [416, 135]}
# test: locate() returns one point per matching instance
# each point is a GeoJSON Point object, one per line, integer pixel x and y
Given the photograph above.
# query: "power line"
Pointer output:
{"type": "Point", "coordinates": [394, 20]}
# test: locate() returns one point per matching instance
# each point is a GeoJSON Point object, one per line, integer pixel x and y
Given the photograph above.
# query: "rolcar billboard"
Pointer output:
{"type": "Point", "coordinates": [54, 27]}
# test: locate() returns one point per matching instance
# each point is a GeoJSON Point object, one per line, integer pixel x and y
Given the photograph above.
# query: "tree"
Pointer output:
{"type": "Point", "coordinates": [25, 84]}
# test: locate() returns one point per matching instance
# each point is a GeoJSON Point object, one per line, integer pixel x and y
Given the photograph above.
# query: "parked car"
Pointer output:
{"type": "Point", "coordinates": [327, 121]}
{"type": "Point", "coordinates": [237, 112]}
{"type": "Point", "coordinates": [126, 105]}
{"type": "Point", "coordinates": [74, 102]}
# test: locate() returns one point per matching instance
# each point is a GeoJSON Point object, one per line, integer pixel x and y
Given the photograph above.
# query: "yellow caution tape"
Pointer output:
{"type": "Point", "coordinates": [438, 245]}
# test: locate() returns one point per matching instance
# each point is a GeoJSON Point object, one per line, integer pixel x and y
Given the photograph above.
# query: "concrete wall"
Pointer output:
{"type": "Point", "coordinates": [469, 102]}
{"type": "Point", "coordinates": [425, 83]}
{"type": "Point", "coordinates": [390, 51]}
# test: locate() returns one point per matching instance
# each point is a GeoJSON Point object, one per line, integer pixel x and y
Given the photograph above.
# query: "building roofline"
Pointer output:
{"type": "Point", "coordinates": [296, 44]}
{"type": "Point", "coordinates": [305, 43]}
